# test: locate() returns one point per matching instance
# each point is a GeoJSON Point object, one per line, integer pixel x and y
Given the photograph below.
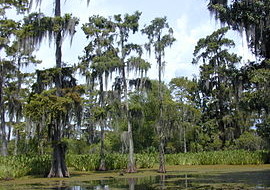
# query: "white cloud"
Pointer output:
{"type": "Point", "coordinates": [180, 55]}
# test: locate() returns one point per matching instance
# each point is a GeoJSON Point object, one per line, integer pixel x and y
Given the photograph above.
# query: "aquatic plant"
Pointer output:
{"type": "Point", "coordinates": [234, 157]}
{"type": "Point", "coordinates": [18, 166]}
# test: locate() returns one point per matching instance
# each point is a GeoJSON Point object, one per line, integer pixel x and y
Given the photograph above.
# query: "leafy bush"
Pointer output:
{"type": "Point", "coordinates": [249, 141]}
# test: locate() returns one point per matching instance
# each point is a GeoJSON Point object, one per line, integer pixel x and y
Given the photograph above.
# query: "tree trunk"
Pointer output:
{"type": "Point", "coordinates": [91, 136]}
{"type": "Point", "coordinates": [131, 168]}
{"type": "Point", "coordinates": [57, 11]}
{"type": "Point", "coordinates": [131, 161]}
{"type": "Point", "coordinates": [59, 168]}
{"type": "Point", "coordinates": [185, 140]}
{"type": "Point", "coordinates": [102, 166]}
{"type": "Point", "coordinates": [160, 128]}
{"type": "Point", "coordinates": [4, 150]}
{"type": "Point", "coordinates": [58, 51]}
{"type": "Point", "coordinates": [58, 165]}
{"type": "Point", "coordinates": [162, 168]}
{"type": "Point", "coordinates": [9, 133]}
{"type": "Point", "coordinates": [17, 138]}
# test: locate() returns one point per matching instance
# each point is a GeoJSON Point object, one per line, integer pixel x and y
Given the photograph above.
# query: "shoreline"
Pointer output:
{"type": "Point", "coordinates": [77, 176]}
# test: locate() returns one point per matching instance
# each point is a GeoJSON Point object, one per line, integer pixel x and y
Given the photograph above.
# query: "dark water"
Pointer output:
{"type": "Point", "coordinates": [246, 180]}
{"type": "Point", "coordinates": [230, 180]}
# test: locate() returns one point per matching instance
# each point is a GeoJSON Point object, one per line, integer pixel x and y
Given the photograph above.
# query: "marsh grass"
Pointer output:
{"type": "Point", "coordinates": [235, 157]}
{"type": "Point", "coordinates": [196, 176]}
{"type": "Point", "coordinates": [18, 166]}
{"type": "Point", "coordinates": [117, 161]}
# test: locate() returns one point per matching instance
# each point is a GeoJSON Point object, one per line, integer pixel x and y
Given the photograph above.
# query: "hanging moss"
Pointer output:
{"type": "Point", "coordinates": [250, 16]}
{"type": "Point", "coordinates": [37, 26]}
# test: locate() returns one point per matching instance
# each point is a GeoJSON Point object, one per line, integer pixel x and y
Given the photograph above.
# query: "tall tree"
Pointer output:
{"type": "Point", "coordinates": [185, 93]}
{"type": "Point", "coordinates": [255, 99]}
{"type": "Point", "coordinates": [253, 18]}
{"type": "Point", "coordinates": [159, 40]}
{"type": "Point", "coordinates": [55, 28]}
{"type": "Point", "coordinates": [216, 78]}
{"type": "Point", "coordinates": [47, 110]}
{"type": "Point", "coordinates": [125, 25]}
{"type": "Point", "coordinates": [98, 63]}
{"type": "Point", "coordinates": [11, 60]}
{"type": "Point", "coordinates": [249, 16]}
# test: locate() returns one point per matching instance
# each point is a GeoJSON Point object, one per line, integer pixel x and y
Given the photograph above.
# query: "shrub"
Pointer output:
{"type": "Point", "coordinates": [249, 141]}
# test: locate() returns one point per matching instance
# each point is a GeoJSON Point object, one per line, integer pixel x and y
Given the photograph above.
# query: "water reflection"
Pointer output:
{"type": "Point", "coordinates": [251, 180]}
{"type": "Point", "coordinates": [191, 180]}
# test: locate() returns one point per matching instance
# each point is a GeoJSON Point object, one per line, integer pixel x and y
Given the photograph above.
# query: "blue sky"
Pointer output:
{"type": "Point", "coordinates": [189, 19]}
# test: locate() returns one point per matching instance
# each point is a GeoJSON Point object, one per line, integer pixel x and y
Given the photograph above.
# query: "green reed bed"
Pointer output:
{"type": "Point", "coordinates": [17, 166]}
{"type": "Point", "coordinates": [119, 161]}
{"type": "Point", "coordinates": [91, 162]}
{"type": "Point", "coordinates": [114, 161]}
{"type": "Point", "coordinates": [235, 157]}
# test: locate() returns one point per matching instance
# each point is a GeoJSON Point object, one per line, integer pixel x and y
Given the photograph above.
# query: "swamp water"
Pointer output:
{"type": "Point", "coordinates": [202, 179]}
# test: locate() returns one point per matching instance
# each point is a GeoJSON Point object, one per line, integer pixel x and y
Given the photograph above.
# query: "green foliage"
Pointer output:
{"type": "Point", "coordinates": [18, 166]}
{"type": "Point", "coordinates": [249, 16]}
{"type": "Point", "coordinates": [118, 161]}
{"type": "Point", "coordinates": [21, 6]}
{"type": "Point", "coordinates": [75, 146]}
{"type": "Point", "coordinates": [156, 39]}
{"type": "Point", "coordinates": [249, 141]}
{"type": "Point", "coordinates": [113, 161]}
{"type": "Point", "coordinates": [47, 104]}
{"type": "Point", "coordinates": [37, 26]}
{"type": "Point", "coordinates": [91, 162]}
{"type": "Point", "coordinates": [146, 160]}
{"type": "Point", "coordinates": [236, 157]}
{"type": "Point", "coordinates": [87, 162]}
{"type": "Point", "coordinates": [264, 129]}
{"type": "Point", "coordinates": [219, 85]}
